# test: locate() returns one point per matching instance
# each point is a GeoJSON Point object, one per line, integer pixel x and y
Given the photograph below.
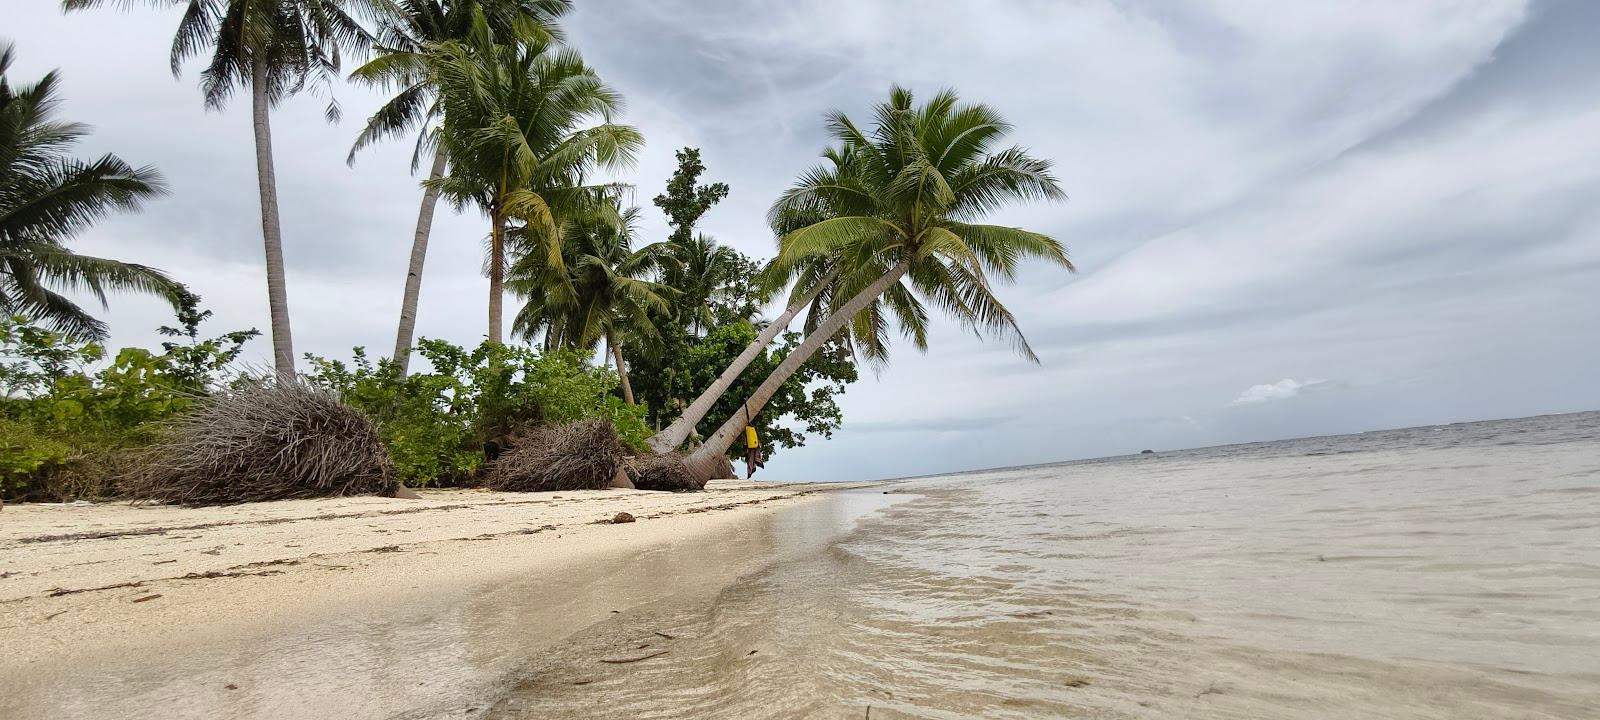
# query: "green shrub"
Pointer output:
{"type": "Point", "coordinates": [65, 423]}
{"type": "Point", "coordinates": [436, 423]}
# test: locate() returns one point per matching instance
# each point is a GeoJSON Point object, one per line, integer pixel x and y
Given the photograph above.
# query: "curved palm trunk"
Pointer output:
{"type": "Point", "coordinates": [419, 253]}
{"type": "Point", "coordinates": [704, 462]}
{"type": "Point", "coordinates": [497, 273]}
{"type": "Point", "coordinates": [271, 232]}
{"type": "Point", "coordinates": [622, 369]}
{"type": "Point", "coordinates": [670, 438]}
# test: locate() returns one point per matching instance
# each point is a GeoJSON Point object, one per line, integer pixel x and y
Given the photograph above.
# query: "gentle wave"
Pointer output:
{"type": "Point", "coordinates": [1438, 572]}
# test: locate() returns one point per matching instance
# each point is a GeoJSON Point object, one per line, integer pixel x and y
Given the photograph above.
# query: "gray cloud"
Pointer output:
{"type": "Point", "coordinates": [1400, 196]}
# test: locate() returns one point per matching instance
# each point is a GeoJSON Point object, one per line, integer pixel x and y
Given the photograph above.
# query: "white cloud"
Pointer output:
{"type": "Point", "coordinates": [1280, 390]}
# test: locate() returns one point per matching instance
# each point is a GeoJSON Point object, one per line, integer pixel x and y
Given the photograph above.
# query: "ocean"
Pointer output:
{"type": "Point", "coordinates": [1433, 572]}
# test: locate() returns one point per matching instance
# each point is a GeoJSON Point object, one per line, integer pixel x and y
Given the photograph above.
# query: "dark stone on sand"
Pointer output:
{"type": "Point", "coordinates": [621, 517]}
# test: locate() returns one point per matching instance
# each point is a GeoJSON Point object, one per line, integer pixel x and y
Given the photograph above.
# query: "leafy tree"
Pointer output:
{"type": "Point", "coordinates": [685, 200]}
{"type": "Point", "coordinates": [193, 363]}
{"type": "Point", "coordinates": [276, 48]}
{"type": "Point", "coordinates": [515, 131]}
{"type": "Point", "coordinates": [46, 198]}
{"type": "Point", "coordinates": [904, 201]}
{"type": "Point", "coordinates": [404, 64]}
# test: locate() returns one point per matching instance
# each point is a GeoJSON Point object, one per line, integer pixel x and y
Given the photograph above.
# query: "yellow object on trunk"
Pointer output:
{"type": "Point", "coordinates": [750, 437]}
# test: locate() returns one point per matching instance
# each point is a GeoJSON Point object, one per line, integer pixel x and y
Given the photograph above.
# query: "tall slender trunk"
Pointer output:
{"type": "Point", "coordinates": [271, 232]}
{"type": "Point", "coordinates": [670, 438]}
{"type": "Point", "coordinates": [622, 368]}
{"type": "Point", "coordinates": [497, 271]}
{"type": "Point", "coordinates": [704, 461]}
{"type": "Point", "coordinates": [419, 253]}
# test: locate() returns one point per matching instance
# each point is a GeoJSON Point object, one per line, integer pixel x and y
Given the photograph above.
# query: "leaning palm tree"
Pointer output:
{"type": "Point", "coordinates": [275, 48]}
{"type": "Point", "coordinates": [47, 197]}
{"type": "Point", "coordinates": [605, 292]}
{"type": "Point", "coordinates": [514, 130]}
{"type": "Point", "coordinates": [904, 202]}
{"type": "Point", "coordinates": [404, 64]}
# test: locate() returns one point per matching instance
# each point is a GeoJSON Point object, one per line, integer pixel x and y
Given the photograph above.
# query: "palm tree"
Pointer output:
{"type": "Point", "coordinates": [702, 275]}
{"type": "Point", "coordinates": [403, 64]}
{"type": "Point", "coordinates": [275, 48]}
{"type": "Point", "coordinates": [46, 198]}
{"type": "Point", "coordinates": [903, 203]}
{"type": "Point", "coordinates": [513, 130]}
{"type": "Point", "coordinates": [605, 293]}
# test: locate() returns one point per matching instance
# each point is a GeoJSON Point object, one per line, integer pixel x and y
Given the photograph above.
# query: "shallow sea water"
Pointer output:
{"type": "Point", "coordinates": [1433, 572]}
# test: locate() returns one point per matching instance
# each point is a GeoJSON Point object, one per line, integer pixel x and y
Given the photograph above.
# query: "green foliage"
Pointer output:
{"type": "Point", "coordinates": [685, 201]}
{"type": "Point", "coordinates": [63, 420]}
{"type": "Point", "coordinates": [720, 293]}
{"type": "Point", "coordinates": [910, 195]}
{"type": "Point", "coordinates": [195, 362]}
{"type": "Point", "coordinates": [805, 403]}
{"type": "Point", "coordinates": [46, 198]}
{"type": "Point", "coordinates": [26, 457]}
{"type": "Point", "coordinates": [436, 423]}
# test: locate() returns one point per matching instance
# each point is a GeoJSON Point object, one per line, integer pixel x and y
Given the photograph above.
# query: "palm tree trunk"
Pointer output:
{"type": "Point", "coordinates": [622, 369]}
{"type": "Point", "coordinates": [271, 232]}
{"type": "Point", "coordinates": [497, 271]}
{"type": "Point", "coordinates": [670, 438]}
{"type": "Point", "coordinates": [703, 463]}
{"type": "Point", "coordinates": [419, 253]}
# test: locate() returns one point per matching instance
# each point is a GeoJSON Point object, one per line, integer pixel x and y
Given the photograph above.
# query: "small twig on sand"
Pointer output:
{"type": "Point", "coordinates": [619, 661]}
{"type": "Point", "coordinates": [662, 634]}
{"type": "Point", "coordinates": [146, 598]}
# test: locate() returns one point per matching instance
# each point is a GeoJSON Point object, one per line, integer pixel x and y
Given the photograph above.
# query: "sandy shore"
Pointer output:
{"type": "Point", "coordinates": [112, 609]}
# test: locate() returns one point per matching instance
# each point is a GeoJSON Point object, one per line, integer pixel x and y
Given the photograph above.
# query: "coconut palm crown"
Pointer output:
{"type": "Point", "coordinates": [892, 222]}
{"type": "Point", "coordinates": [404, 63]}
{"type": "Point", "coordinates": [517, 130]}
{"type": "Point", "coordinates": [46, 198]}
{"type": "Point", "coordinates": [605, 292]}
{"type": "Point", "coordinates": [915, 188]}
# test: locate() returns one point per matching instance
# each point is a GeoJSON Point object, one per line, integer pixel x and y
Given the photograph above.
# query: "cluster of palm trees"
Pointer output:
{"type": "Point", "coordinates": [513, 123]}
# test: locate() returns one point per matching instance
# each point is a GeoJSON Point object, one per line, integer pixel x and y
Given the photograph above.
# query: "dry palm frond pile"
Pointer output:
{"type": "Point", "coordinates": [265, 441]}
{"type": "Point", "coordinates": [661, 472]}
{"type": "Point", "coordinates": [584, 455]}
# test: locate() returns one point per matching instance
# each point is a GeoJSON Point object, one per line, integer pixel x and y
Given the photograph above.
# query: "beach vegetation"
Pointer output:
{"type": "Point", "coordinates": [70, 411]}
{"type": "Point", "coordinates": [440, 423]}
{"type": "Point", "coordinates": [603, 290]}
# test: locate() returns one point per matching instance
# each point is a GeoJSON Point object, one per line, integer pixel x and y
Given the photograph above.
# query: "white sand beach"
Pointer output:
{"type": "Point", "coordinates": [117, 610]}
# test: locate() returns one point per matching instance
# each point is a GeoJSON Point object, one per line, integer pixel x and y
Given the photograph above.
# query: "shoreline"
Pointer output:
{"type": "Point", "coordinates": [240, 603]}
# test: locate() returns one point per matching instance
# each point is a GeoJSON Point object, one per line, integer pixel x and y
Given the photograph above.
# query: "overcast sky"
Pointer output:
{"type": "Point", "coordinates": [1289, 218]}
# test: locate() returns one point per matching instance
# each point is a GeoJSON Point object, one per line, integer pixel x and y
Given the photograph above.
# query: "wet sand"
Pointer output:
{"type": "Point", "coordinates": [360, 607]}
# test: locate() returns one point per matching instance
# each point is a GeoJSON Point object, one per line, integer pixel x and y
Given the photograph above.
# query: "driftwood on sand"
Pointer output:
{"type": "Point", "coordinates": [661, 472]}
{"type": "Point", "coordinates": [263, 441]}
{"type": "Point", "coordinates": [584, 455]}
